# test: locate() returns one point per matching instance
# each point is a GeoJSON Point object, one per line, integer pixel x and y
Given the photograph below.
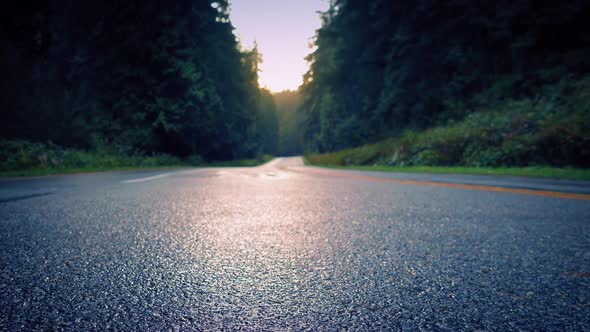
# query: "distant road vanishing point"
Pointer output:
{"type": "Point", "coordinates": [284, 246]}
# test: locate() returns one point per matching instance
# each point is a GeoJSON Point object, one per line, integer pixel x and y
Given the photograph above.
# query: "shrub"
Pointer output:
{"type": "Point", "coordinates": [545, 131]}
{"type": "Point", "coordinates": [16, 155]}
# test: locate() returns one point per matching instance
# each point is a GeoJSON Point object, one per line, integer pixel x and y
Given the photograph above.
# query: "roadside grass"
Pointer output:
{"type": "Point", "coordinates": [21, 158]}
{"type": "Point", "coordinates": [63, 171]}
{"type": "Point", "coordinates": [76, 170]}
{"type": "Point", "coordinates": [539, 172]}
{"type": "Point", "coordinates": [535, 138]}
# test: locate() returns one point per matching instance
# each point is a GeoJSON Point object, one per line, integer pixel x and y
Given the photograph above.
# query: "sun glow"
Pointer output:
{"type": "Point", "coordinates": [281, 73]}
{"type": "Point", "coordinates": [282, 31]}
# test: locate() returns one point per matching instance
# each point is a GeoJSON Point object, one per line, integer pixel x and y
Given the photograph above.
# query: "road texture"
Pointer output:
{"type": "Point", "coordinates": [288, 247]}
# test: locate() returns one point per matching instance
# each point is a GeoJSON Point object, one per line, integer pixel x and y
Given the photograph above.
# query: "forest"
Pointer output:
{"type": "Point", "coordinates": [137, 78]}
{"type": "Point", "coordinates": [425, 82]}
{"type": "Point", "coordinates": [288, 105]}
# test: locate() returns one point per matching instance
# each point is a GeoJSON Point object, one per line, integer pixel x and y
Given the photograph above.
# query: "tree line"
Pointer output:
{"type": "Point", "coordinates": [288, 105]}
{"type": "Point", "coordinates": [144, 77]}
{"type": "Point", "coordinates": [383, 67]}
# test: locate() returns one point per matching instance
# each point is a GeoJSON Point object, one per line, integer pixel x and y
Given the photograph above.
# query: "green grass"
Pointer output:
{"type": "Point", "coordinates": [522, 138]}
{"type": "Point", "coordinates": [508, 134]}
{"type": "Point", "coordinates": [60, 171]}
{"type": "Point", "coordinates": [540, 172]}
{"type": "Point", "coordinates": [22, 158]}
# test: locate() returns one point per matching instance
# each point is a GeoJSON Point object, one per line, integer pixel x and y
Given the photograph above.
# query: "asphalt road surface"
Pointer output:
{"type": "Point", "coordinates": [288, 247]}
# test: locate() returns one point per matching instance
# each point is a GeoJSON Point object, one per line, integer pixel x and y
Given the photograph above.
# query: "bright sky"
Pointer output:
{"type": "Point", "coordinates": [282, 29]}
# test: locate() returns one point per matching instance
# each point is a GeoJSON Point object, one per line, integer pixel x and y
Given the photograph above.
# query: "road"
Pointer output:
{"type": "Point", "coordinates": [289, 247]}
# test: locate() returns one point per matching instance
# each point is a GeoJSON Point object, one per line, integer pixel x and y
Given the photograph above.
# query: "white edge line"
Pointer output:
{"type": "Point", "coordinates": [149, 178]}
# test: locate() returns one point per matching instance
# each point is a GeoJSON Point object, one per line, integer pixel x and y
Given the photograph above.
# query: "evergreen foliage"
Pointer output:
{"type": "Point", "coordinates": [146, 76]}
{"type": "Point", "coordinates": [288, 104]}
{"type": "Point", "coordinates": [382, 68]}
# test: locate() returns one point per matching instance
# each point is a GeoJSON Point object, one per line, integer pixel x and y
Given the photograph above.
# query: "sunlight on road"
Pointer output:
{"type": "Point", "coordinates": [263, 242]}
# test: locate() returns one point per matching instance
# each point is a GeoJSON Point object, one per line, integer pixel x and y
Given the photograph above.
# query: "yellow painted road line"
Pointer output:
{"type": "Point", "coordinates": [544, 193]}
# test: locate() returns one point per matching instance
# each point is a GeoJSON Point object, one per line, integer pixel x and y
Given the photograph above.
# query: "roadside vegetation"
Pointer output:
{"type": "Point", "coordinates": [116, 84]}
{"type": "Point", "coordinates": [390, 83]}
{"type": "Point", "coordinates": [514, 133]}
{"type": "Point", "coordinates": [532, 137]}
{"type": "Point", "coordinates": [22, 158]}
{"type": "Point", "coordinates": [288, 104]}
{"type": "Point", "coordinates": [398, 84]}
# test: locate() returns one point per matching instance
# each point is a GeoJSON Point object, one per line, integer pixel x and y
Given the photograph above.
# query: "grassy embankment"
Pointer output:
{"type": "Point", "coordinates": [22, 158]}
{"type": "Point", "coordinates": [525, 138]}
